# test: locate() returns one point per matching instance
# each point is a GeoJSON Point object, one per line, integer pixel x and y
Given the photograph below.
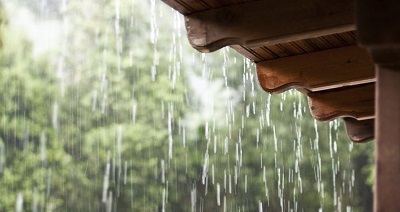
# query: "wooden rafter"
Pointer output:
{"type": "Point", "coordinates": [297, 47]}
{"type": "Point", "coordinates": [317, 71]}
{"type": "Point", "coordinates": [268, 23]}
{"type": "Point", "coordinates": [359, 131]}
{"type": "Point", "coordinates": [354, 101]}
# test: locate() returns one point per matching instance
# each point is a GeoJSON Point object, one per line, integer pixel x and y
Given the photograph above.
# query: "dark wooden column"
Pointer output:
{"type": "Point", "coordinates": [387, 147]}
{"type": "Point", "coordinates": [378, 29]}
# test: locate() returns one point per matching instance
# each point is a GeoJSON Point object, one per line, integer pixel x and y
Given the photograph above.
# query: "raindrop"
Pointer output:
{"type": "Point", "coordinates": [55, 116]}
{"type": "Point", "coordinates": [134, 111]}
{"type": "Point", "coordinates": [205, 168]}
{"type": "Point", "coordinates": [35, 200]}
{"type": "Point", "coordinates": [2, 157]}
{"type": "Point", "coordinates": [106, 179]}
{"type": "Point", "coordinates": [193, 199]}
{"type": "Point", "coordinates": [163, 200]}
{"type": "Point", "coordinates": [225, 203]}
{"type": "Point", "coordinates": [43, 152]}
{"type": "Point", "coordinates": [162, 171]}
{"type": "Point", "coordinates": [218, 195]}
{"type": "Point", "coordinates": [125, 171]}
{"type": "Point", "coordinates": [109, 201]}
{"type": "Point", "coordinates": [212, 174]}
{"type": "Point", "coordinates": [19, 203]}
{"type": "Point", "coordinates": [245, 183]}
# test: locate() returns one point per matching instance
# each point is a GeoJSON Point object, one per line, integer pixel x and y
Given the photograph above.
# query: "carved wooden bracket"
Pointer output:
{"type": "Point", "coordinates": [323, 70]}
{"type": "Point", "coordinates": [268, 22]}
{"type": "Point", "coordinates": [360, 131]}
{"type": "Point", "coordinates": [354, 101]}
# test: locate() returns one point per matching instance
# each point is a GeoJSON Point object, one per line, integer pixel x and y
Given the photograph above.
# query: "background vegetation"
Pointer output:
{"type": "Point", "coordinates": [105, 107]}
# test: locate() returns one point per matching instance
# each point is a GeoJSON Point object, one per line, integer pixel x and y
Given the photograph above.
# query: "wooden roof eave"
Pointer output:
{"type": "Point", "coordinates": [304, 44]}
{"type": "Point", "coordinates": [268, 23]}
{"type": "Point", "coordinates": [317, 71]}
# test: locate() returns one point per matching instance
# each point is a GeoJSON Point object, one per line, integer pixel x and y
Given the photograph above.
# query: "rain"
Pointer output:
{"type": "Point", "coordinates": [105, 106]}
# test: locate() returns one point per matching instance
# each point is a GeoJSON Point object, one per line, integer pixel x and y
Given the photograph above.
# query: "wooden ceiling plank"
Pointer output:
{"type": "Point", "coordinates": [317, 71]}
{"type": "Point", "coordinates": [354, 101]}
{"type": "Point", "coordinates": [278, 50]}
{"type": "Point", "coordinates": [269, 22]}
{"type": "Point", "coordinates": [254, 54]}
{"type": "Point", "coordinates": [306, 46]}
{"type": "Point", "coordinates": [360, 131]}
{"type": "Point", "coordinates": [187, 7]}
{"type": "Point", "coordinates": [183, 7]}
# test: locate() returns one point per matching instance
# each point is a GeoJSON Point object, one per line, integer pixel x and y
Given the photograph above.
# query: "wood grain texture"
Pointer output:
{"type": "Point", "coordinates": [317, 71]}
{"type": "Point", "coordinates": [360, 131]}
{"type": "Point", "coordinates": [187, 7]}
{"type": "Point", "coordinates": [297, 47]}
{"type": "Point", "coordinates": [378, 29]}
{"type": "Point", "coordinates": [387, 147]}
{"type": "Point", "coordinates": [268, 22]}
{"type": "Point", "coordinates": [354, 101]}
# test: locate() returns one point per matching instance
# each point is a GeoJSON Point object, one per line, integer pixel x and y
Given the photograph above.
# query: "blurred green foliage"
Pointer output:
{"type": "Point", "coordinates": [111, 121]}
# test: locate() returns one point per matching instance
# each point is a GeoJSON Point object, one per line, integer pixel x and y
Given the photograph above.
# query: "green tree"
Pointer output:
{"type": "Point", "coordinates": [33, 160]}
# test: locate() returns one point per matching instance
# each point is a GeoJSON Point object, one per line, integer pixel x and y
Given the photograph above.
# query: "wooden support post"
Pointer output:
{"type": "Point", "coordinates": [387, 147]}
{"type": "Point", "coordinates": [322, 70]}
{"type": "Point", "coordinates": [378, 29]}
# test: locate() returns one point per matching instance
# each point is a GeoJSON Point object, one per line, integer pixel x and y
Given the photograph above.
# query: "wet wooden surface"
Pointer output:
{"type": "Point", "coordinates": [268, 23]}
{"type": "Point", "coordinates": [323, 70]}
{"type": "Point", "coordinates": [297, 47]}
{"type": "Point", "coordinates": [354, 101]}
{"type": "Point", "coordinates": [360, 131]}
{"type": "Point", "coordinates": [387, 148]}
{"type": "Point", "coordinates": [187, 7]}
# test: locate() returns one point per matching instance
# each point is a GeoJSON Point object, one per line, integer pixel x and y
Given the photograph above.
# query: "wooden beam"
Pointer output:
{"type": "Point", "coordinates": [354, 101]}
{"type": "Point", "coordinates": [379, 22]}
{"type": "Point", "coordinates": [182, 7]}
{"type": "Point", "coordinates": [387, 147]}
{"type": "Point", "coordinates": [268, 52]}
{"type": "Point", "coordinates": [187, 7]}
{"type": "Point", "coordinates": [386, 56]}
{"type": "Point", "coordinates": [268, 22]}
{"type": "Point", "coordinates": [359, 131]}
{"type": "Point", "coordinates": [317, 71]}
